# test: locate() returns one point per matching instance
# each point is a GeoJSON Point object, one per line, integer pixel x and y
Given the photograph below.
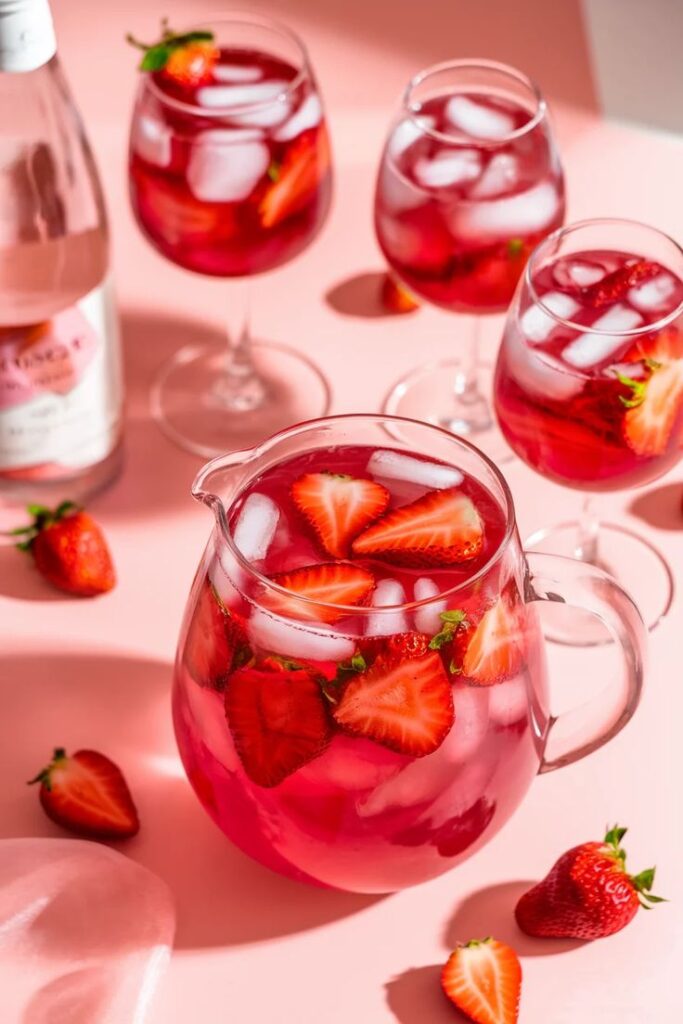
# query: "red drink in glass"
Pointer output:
{"type": "Point", "coordinates": [467, 188]}
{"type": "Point", "coordinates": [586, 407]}
{"type": "Point", "coordinates": [345, 801]}
{"type": "Point", "coordinates": [231, 177]}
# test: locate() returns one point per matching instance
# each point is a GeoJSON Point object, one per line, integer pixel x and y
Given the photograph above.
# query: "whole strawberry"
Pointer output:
{"type": "Point", "coordinates": [69, 549]}
{"type": "Point", "coordinates": [588, 893]}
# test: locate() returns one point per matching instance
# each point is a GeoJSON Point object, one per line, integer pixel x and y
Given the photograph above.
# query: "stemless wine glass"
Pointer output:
{"type": "Point", "coordinates": [230, 180]}
{"type": "Point", "coordinates": [589, 386]}
{"type": "Point", "coordinates": [469, 182]}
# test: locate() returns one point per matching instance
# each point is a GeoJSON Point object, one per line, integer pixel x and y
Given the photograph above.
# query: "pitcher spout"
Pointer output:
{"type": "Point", "coordinates": [217, 483]}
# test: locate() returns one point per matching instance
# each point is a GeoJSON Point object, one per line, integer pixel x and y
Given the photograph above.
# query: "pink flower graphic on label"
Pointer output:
{"type": "Point", "coordinates": [48, 357]}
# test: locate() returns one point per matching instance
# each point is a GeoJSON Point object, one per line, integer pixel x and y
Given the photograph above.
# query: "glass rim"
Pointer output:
{"type": "Point", "coordinates": [568, 229]}
{"type": "Point", "coordinates": [535, 118]}
{"type": "Point", "coordinates": [238, 18]}
{"type": "Point", "coordinates": [222, 462]}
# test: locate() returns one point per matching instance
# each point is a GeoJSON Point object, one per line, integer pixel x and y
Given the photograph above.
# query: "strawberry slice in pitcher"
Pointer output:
{"type": "Point", "coordinates": [331, 583]}
{"type": "Point", "coordinates": [404, 704]}
{"type": "Point", "coordinates": [216, 640]}
{"type": "Point", "coordinates": [654, 404]}
{"type": "Point", "coordinates": [338, 507]}
{"type": "Point", "coordinates": [296, 180]}
{"type": "Point", "coordinates": [439, 529]}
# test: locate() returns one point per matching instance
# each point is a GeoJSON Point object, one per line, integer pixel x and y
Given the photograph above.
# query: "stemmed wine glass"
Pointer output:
{"type": "Point", "coordinates": [469, 182]}
{"type": "Point", "coordinates": [231, 177]}
{"type": "Point", "coordinates": [589, 387]}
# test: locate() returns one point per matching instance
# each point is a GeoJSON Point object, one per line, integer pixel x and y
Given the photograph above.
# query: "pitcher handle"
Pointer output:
{"type": "Point", "coordinates": [578, 732]}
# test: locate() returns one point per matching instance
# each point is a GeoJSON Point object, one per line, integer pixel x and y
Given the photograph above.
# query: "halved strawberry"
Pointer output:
{"type": "Point", "coordinates": [494, 650]}
{"type": "Point", "coordinates": [332, 583]}
{"type": "Point", "coordinates": [614, 286]}
{"type": "Point", "coordinates": [338, 507]}
{"type": "Point", "coordinates": [401, 645]}
{"type": "Point", "coordinates": [405, 704]}
{"type": "Point", "coordinates": [296, 180]}
{"type": "Point", "coordinates": [216, 640]}
{"type": "Point", "coordinates": [395, 296]}
{"type": "Point", "coordinates": [483, 978]}
{"type": "Point", "coordinates": [440, 528]}
{"type": "Point", "coordinates": [87, 794]}
{"type": "Point", "coordinates": [278, 721]}
{"type": "Point", "coordinates": [656, 403]}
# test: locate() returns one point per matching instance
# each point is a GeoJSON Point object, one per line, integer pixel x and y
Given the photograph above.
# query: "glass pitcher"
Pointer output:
{"type": "Point", "coordinates": [357, 814]}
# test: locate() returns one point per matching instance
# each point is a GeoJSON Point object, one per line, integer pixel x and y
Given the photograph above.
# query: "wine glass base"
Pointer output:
{"type": "Point", "coordinates": [189, 408]}
{"type": "Point", "coordinates": [636, 564]}
{"type": "Point", "coordinates": [428, 394]}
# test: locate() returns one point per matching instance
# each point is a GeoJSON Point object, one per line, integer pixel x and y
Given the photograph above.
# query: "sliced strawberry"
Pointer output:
{"type": "Point", "coordinates": [278, 721]}
{"type": "Point", "coordinates": [484, 980]}
{"type": "Point", "coordinates": [493, 651]}
{"type": "Point", "coordinates": [440, 528]}
{"type": "Point", "coordinates": [395, 296]}
{"type": "Point", "coordinates": [332, 583]}
{"type": "Point", "coordinates": [216, 640]}
{"type": "Point", "coordinates": [656, 403]}
{"type": "Point", "coordinates": [405, 704]}
{"type": "Point", "coordinates": [338, 507]}
{"type": "Point", "coordinates": [614, 286]}
{"type": "Point", "coordinates": [87, 794]}
{"type": "Point", "coordinates": [296, 180]}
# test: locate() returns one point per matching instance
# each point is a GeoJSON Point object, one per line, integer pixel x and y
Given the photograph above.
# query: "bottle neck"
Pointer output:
{"type": "Point", "coordinates": [27, 35]}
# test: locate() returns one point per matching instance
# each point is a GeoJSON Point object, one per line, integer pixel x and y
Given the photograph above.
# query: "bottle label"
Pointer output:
{"type": "Point", "coordinates": [60, 388]}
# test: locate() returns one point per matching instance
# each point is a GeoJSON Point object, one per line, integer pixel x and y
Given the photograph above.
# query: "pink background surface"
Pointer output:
{"type": "Point", "coordinates": [252, 947]}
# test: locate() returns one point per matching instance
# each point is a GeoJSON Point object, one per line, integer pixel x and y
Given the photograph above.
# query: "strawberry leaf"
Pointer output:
{"type": "Point", "coordinates": [452, 621]}
{"type": "Point", "coordinates": [156, 58]}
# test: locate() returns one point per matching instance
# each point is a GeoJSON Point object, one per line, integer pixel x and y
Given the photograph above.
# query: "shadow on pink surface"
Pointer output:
{"type": "Point", "coordinates": [121, 706]}
{"type": "Point", "coordinates": [415, 997]}
{"type": "Point", "coordinates": [20, 579]}
{"type": "Point", "coordinates": [490, 911]}
{"type": "Point", "coordinates": [157, 475]}
{"type": "Point", "coordinates": [358, 295]}
{"type": "Point", "coordinates": [661, 507]}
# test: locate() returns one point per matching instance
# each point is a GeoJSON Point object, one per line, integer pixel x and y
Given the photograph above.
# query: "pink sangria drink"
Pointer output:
{"type": "Point", "coordinates": [229, 160]}
{"type": "Point", "coordinates": [360, 694]}
{"type": "Point", "coordinates": [469, 184]}
{"type": "Point", "coordinates": [589, 383]}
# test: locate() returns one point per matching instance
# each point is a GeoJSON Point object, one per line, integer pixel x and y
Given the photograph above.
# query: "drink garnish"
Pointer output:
{"type": "Point", "coordinates": [338, 507]}
{"type": "Point", "coordinates": [483, 978]}
{"type": "Point", "coordinates": [187, 58]}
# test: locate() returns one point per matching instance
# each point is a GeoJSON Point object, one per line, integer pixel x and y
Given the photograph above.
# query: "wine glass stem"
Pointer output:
{"type": "Point", "coordinates": [588, 533]}
{"type": "Point", "coordinates": [471, 413]}
{"type": "Point", "coordinates": [240, 387]}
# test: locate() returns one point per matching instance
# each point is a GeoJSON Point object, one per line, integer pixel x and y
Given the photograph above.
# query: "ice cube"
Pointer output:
{"type": "Point", "coordinates": [633, 370]}
{"type": "Point", "coordinates": [225, 165]}
{"type": "Point", "coordinates": [448, 167]}
{"type": "Point", "coordinates": [426, 779]}
{"type": "Point", "coordinates": [501, 174]}
{"type": "Point", "coordinates": [508, 702]}
{"type": "Point", "coordinates": [475, 119]}
{"type": "Point", "coordinates": [391, 465]}
{"type": "Point", "coordinates": [590, 349]}
{"type": "Point", "coordinates": [583, 274]}
{"type": "Point", "coordinates": [538, 325]}
{"type": "Point", "coordinates": [235, 73]}
{"type": "Point", "coordinates": [309, 114]}
{"type": "Point", "coordinates": [207, 708]}
{"type": "Point", "coordinates": [219, 96]}
{"type": "Point", "coordinates": [515, 215]}
{"type": "Point", "coordinates": [538, 372]}
{"type": "Point", "coordinates": [152, 140]}
{"type": "Point", "coordinates": [291, 640]}
{"type": "Point", "coordinates": [398, 192]}
{"type": "Point", "coordinates": [387, 592]}
{"type": "Point", "coordinates": [407, 132]}
{"type": "Point", "coordinates": [353, 765]}
{"type": "Point", "coordinates": [267, 116]}
{"type": "Point", "coordinates": [654, 294]}
{"type": "Point", "coordinates": [428, 619]}
{"type": "Point", "coordinates": [256, 525]}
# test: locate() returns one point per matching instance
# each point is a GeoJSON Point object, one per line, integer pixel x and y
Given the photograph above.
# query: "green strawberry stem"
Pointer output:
{"type": "Point", "coordinates": [44, 776]}
{"type": "Point", "coordinates": [452, 621]}
{"type": "Point", "coordinates": [42, 517]}
{"type": "Point", "coordinates": [641, 882]}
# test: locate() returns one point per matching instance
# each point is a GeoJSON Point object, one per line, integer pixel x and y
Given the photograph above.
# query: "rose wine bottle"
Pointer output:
{"type": "Point", "coordinates": [60, 373]}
